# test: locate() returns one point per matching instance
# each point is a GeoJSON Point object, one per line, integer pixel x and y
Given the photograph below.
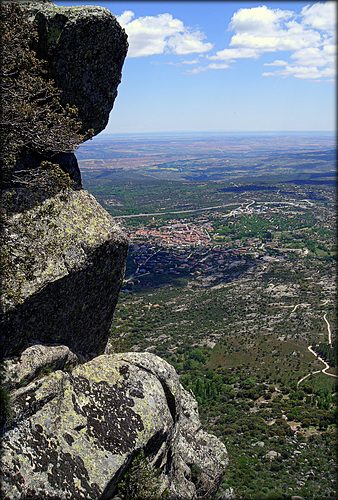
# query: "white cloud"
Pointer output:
{"type": "Point", "coordinates": [290, 39]}
{"type": "Point", "coordinates": [126, 17]}
{"type": "Point", "coordinates": [320, 16]}
{"type": "Point", "coordinates": [196, 71]}
{"type": "Point", "coordinates": [191, 61]}
{"type": "Point", "coordinates": [303, 72]}
{"type": "Point", "coordinates": [258, 20]}
{"type": "Point", "coordinates": [277, 62]}
{"type": "Point", "coordinates": [188, 43]}
{"type": "Point", "coordinates": [201, 69]}
{"type": "Point", "coordinates": [155, 34]}
{"type": "Point", "coordinates": [233, 54]}
{"type": "Point", "coordinates": [308, 37]}
{"type": "Point", "coordinates": [330, 49]}
{"type": "Point", "coordinates": [314, 56]}
{"type": "Point", "coordinates": [218, 66]}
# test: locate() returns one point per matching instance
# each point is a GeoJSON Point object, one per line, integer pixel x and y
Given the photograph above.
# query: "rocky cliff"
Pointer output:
{"type": "Point", "coordinates": [64, 257]}
{"type": "Point", "coordinates": [80, 423]}
{"type": "Point", "coordinates": [85, 48]}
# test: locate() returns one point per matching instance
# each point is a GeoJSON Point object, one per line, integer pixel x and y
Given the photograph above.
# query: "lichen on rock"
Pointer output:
{"type": "Point", "coordinates": [75, 434]}
{"type": "Point", "coordinates": [85, 48]}
{"type": "Point", "coordinates": [64, 262]}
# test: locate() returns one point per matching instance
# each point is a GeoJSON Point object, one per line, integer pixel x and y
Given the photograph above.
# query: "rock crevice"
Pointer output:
{"type": "Point", "coordinates": [99, 416]}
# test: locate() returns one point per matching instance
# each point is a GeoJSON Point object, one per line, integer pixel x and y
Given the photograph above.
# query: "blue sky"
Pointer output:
{"type": "Point", "coordinates": [225, 66]}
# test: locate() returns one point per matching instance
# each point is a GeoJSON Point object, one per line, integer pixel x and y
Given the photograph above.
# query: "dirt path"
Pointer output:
{"type": "Point", "coordinates": [328, 330]}
{"type": "Point", "coordinates": [327, 366]}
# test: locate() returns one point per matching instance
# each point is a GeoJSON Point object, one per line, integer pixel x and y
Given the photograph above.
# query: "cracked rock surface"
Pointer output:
{"type": "Point", "coordinates": [74, 434]}
{"type": "Point", "coordinates": [85, 48]}
{"type": "Point", "coordinates": [77, 419]}
{"type": "Point", "coordinates": [63, 256]}
{"type": "Point", "coordinates": [65, 262]}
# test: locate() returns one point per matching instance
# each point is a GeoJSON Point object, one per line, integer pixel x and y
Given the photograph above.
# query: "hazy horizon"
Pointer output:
{"type": "Point", "coordinates": [223, 132]}
{"type": "Point", "coordinates": [210, 133]}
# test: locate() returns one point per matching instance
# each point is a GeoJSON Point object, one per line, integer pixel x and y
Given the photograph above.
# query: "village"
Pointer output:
{"type": "Point", "coordinates": [183, 247]}
{"type": "Point", "coordinates": [215, 245]}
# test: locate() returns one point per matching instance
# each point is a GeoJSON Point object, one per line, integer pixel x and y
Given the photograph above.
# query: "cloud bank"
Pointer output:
{"type": "Point", "coordinates": [307, 40]}
{"type": "Point", "coordinates": [152, 35]}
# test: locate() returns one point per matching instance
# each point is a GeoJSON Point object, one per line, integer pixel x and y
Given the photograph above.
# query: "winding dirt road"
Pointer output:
{"type": "Point", "coordinates": [327, 366]}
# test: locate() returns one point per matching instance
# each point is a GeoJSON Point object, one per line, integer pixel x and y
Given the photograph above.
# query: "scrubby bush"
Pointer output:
{"type": "Point", "coordinates": [32, 119]}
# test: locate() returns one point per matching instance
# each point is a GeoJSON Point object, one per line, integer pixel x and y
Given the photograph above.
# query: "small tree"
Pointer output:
{"type": "Point", "coordinates": [32, 117]}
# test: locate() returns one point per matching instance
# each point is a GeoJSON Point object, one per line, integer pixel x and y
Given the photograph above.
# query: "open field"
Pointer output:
{"type": "Point", "coordinates": [205, 158]}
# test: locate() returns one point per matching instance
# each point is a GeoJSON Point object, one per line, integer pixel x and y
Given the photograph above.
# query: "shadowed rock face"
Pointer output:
{"type": "Point", "coordinates": [64, 258]}
{"type": "Point", "coordinates": [73, 435]}
{"type": "Point", "coordinates": [85, 48]}
{"type": "Point", "coordinates": [64, 267]}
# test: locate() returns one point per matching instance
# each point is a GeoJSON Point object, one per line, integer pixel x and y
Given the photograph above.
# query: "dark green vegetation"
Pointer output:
{"type": "Point", "coordinates": [328, 353]}
{"type": "Point", "coordinates": [5, 405]}
{"type": "Point", "coordinates": [140, 481]}
{"type": "Point", "coordinates": [231, 283]}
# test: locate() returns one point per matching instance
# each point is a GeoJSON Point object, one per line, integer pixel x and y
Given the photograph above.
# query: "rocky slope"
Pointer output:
{"type": "Point", "coordinates": [81, 423]}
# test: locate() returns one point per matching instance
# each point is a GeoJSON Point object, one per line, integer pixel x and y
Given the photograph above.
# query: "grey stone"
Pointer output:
{"type": "Point", "coordinates": [64, 257]}
{"type": "Point", "coordinates": [63, 269]}
{"type": "Point", "coordinates": [74, 435]}
{"type": "Point", "coordinates": [229, 494]}
{"type": "Point", "coordinates": [85, 48]}
{"type": "Point", "coordinates": [272, 454]}
{"type": "Point", "coordinates": [36, 360]}
{"type": "Point", "coordinates": [259, 443]}
{"type": "Point", "coordinates": [66, 161]}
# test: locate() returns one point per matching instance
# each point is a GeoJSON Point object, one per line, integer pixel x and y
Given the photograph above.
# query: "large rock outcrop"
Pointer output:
{"type": "Point", "coordinates": [63, 257]}
{"type": "Point", "coordinates": [80, 423]}
{"type": "Point", "coordinates": [74, 434]}
{"type": "Point", "coordinates": [64, 263]}
{"type": "Point", "coordinates": [85, 48]}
